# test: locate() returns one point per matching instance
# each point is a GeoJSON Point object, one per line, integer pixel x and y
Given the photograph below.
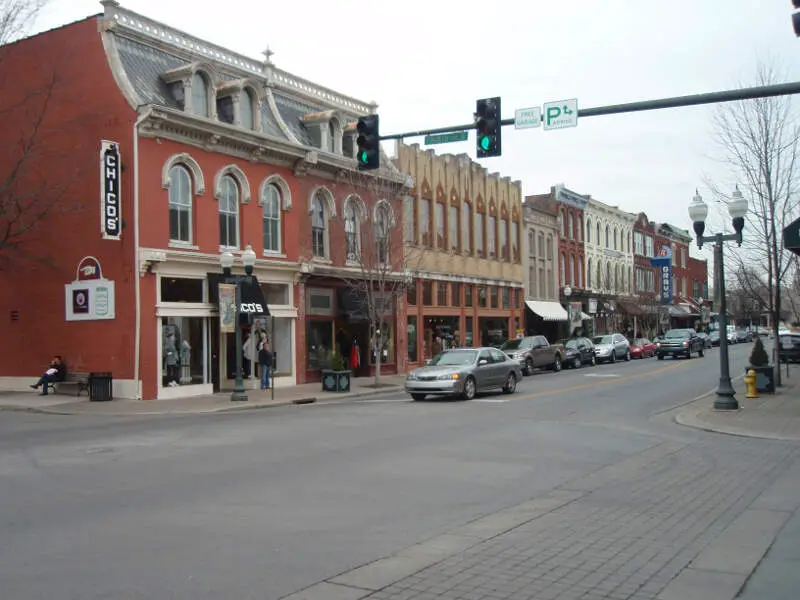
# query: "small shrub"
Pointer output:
{"type": "Point", "coordinates": [337, 362]}
{"type": "Point", "coordinates": [759, 356]}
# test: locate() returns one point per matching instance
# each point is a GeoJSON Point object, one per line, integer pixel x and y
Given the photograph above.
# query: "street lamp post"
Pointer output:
{"type": "Point", "coordinates": [698, 211]}
{"type": "Point", "coordinates": [226, 262]}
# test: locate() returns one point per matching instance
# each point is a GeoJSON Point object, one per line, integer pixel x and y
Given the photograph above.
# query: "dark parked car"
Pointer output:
{"type": "Point", "coordinates": [680, 342]}
{"type": "Point", "coordinates": [578, 352]}
{"type": "Point", "coordinates": [714, 338]}
{"type": "Point", "coordinates": [789, 348]}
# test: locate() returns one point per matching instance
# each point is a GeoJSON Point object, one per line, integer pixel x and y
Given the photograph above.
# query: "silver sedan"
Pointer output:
{"type": "Point", "coordinates": [464, 372]}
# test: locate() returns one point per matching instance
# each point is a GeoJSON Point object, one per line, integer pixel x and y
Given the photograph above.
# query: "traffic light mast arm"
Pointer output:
{"type": "Point", "coordinates": [764, 91]}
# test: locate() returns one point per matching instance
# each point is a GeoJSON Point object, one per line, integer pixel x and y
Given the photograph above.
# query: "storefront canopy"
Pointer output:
{"type": "Point", "coordinates": [252, 296]}
{"type": "Point", "coordinates": [549, 311]}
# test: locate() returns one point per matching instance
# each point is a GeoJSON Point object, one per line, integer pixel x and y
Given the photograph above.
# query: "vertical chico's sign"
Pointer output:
{"type": "Point", "coordinates": [110, 202]}
{"type": "Point", "coordinates": [663, 263]}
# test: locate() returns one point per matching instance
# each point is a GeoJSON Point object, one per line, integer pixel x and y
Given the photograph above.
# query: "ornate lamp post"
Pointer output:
{"type": "Point", "coordinates": [698, 211]}
{"type": "Point", "coordinates": [226, 260]}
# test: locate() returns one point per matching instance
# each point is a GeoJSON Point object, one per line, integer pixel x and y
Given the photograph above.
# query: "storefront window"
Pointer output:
{"type": "Point", "coordinates": [176, 289]}
{"type": "Point", "coordinates": [280, 339]}
{"type": "Point", "coordinates": [411, 294]}
{"type": "Point", "coordinates": [468, 295]}
{"type": "Point", "coordinates": [455, 294]}
{"type": "Point", "coordinates": [412, 339]}
{"type": "Point", "coordinates": [387, 350]}
{"type": "Point", "coordinates": [441, 293]}
{"type": "Point", "coordinates": [427, 293]}
{"type": "Point", "coordinates": [319, 341]}
{"type": "Point", "coordinates": [183, 349]}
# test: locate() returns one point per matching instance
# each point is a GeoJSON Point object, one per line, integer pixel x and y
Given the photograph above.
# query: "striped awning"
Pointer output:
{"type": "Point", "coordinates": [549, 311]}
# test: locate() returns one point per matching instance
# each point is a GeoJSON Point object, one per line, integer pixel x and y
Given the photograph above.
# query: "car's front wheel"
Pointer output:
{"type": "Point", "coordinates": [469, 389]}
{"type": "Point", "coordinates": [557, 364]}
{"type": "Point", "coordinates": [529, 366]}
{"type": "Point", "coordinates": [577, 363]}
{"type": "Point", "coordinates": [614, 356]}
{"type": "Point", "coordinates": [627, 355]}
{"type": "Point", "coordinates": [593, 362]}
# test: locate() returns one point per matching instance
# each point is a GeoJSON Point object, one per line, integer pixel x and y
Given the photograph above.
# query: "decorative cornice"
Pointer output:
{"type": "Point", "coordinates": [192, 49]}
{"type": "Point", "coordinates": [159, 255]}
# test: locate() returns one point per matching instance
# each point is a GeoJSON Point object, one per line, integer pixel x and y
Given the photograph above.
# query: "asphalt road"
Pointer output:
{"type": "Point", "coordinates": [261, 504]}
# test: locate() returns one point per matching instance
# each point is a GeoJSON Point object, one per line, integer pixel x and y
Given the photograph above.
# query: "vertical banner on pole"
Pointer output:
{"type": "Point", "coordinates": [663, 263]}
{"type": "Point", "coordinates": [227, 308]}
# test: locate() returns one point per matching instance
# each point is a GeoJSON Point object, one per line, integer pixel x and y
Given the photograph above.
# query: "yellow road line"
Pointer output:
{"type": "Point", "coordinates": [594, 384]}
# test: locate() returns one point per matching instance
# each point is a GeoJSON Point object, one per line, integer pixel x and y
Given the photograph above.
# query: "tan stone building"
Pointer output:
{"type": "Point", "coordinates": [542, 226]}
{"type": "Point", "coordinates": [463, 232]}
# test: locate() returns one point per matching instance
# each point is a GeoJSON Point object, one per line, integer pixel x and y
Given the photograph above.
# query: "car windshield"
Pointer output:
{"type": "Point", "coordinates": [677, 333]}
{"type": "Point", "coordinates": [454, 358]}
{"type": "Point", "coordinates": [639, 342]}
{"type": "Point", "coordinates": [572, 344]}
{"type": "Point", "coordinates": [516, 344]}
{"type": "Point", "coordinates": [603, 339]}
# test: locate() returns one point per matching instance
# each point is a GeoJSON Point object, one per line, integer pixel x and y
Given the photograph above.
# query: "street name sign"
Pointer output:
{"type": "Point", "coordinates": [561, 114]}
{"type": "Point", "coordinates": [526, 118]}
{"type": "Point", "coordinates": [446, 138]}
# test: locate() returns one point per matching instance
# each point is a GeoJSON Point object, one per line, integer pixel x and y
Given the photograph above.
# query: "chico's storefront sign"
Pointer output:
{"type": "Point", "coordinates": [110, 203]}
{"type": "Point", "coordinates": [251, 308]}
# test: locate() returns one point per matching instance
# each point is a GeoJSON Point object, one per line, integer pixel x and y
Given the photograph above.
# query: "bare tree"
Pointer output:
{"type": "Point", "coordinates": [380, 266]}
{"type": "Point", "coordinates": [759, 140]}
{"type": "Point", "coordinates": [38, 162]}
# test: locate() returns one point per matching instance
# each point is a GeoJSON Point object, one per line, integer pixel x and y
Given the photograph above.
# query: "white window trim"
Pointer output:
{"type": "Point", "coordinates": [190, 241]}
{"type": "Point", "coordinates": [239, 177]}
{"type": "Point", "coordinates": [218, 196]}
{"type": "Point", "coordinates": [329, 205]}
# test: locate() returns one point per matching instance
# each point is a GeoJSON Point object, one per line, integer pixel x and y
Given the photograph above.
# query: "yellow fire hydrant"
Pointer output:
{"type": "Point", "coordinates": [750, 382]}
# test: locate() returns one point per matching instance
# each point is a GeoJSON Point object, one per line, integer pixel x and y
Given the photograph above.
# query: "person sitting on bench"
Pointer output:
{"type": "Point", "coordinates": [56, 372]}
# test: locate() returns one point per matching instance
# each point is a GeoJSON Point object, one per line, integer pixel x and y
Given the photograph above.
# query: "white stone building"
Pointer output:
{"type": "Point", "coordinates": [608, 249]}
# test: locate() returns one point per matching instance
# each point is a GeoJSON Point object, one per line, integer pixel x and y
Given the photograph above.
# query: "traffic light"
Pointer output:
{"type": "Point", "coordinates": [796, 17]}
{"type": "Point", "coordinates": [369, 143]}
{"type": "Point", "coordinates": [487, 121]}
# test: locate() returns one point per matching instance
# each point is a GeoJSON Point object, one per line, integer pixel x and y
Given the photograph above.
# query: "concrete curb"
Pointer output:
{"type": "Point", "coordinates": [691, 420]}
{"type": "Point", "coordinates": [55, 410]}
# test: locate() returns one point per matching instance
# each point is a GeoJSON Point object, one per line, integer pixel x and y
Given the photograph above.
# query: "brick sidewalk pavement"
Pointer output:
{"type": "Point", "coordinates": [216, 403]}
{"type": "Point", "coordinates": [622, 533]}
{"type": "Point", "coordinates": [773, 416]}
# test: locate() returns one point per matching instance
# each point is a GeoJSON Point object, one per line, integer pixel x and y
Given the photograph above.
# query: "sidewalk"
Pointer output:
{"type": "Point", "coordinates": [772, 416]}
{"type": "Point", "coordinates": [299, 394]}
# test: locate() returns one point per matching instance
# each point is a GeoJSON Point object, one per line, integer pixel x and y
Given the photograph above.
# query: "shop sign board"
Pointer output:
{"type": "Point", "coordinates": [91, 296]}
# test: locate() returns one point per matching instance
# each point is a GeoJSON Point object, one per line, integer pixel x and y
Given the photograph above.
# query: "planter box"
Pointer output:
{"type": "Point", "coordinates": [765, 378]}
{"type": "Point", "coordinates": [336, 381]}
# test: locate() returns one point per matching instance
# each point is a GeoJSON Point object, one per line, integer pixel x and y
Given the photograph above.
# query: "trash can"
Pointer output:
{"type": "Point", "coordinates": [100, 387]}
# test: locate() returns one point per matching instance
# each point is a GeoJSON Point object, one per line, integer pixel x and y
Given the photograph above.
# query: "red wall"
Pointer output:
{"type": "Point", "coordinates": [84, 106]}
{"type": "Point", "coordinates": [571, 247]}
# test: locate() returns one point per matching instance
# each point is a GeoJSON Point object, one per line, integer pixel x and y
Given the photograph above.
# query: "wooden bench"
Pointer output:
{"type": "Point", "coordinates": [74, 382]}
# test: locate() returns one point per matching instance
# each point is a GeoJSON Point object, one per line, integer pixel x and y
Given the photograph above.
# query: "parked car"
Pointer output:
{"type": "Point", "coordinates": [741, 336]}
{"type": "Point", "coordinates": [578, 351]}
{"type": "Point", "coordinates": [714, 338]}
{"type": "Point", "coordinates": [680, 342]}
{"type": "Point", "coordinates": [464, 372]}
{"type": "Point", "coordinates": [642, 348]}
{"type": "Point", "coordinates": [534, 352]}
{"type": "Point", "coordinates": [706, 339]}
{"type": "Point", "coordinates": [789, 348]}
{"type": "Point", "coordinates": [611, 347]}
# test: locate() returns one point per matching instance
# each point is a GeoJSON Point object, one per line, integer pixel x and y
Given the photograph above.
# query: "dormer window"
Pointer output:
{"type": "Point", "coordinates": [200, 94]}
{"type": "Point", "coordinates": [225, 110]}
{"type": "Point", "coordinates": [326, 132]}
{"type": "Point", "coordinates": [238, 104]}
{"type": "Point", "coordinates": [246, 105]}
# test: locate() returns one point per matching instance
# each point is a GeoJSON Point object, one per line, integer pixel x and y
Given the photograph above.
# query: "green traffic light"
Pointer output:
{"type": "Point", "coordinates": [362, 157]}
{"type": "Point", "coordinates": [485, 142]}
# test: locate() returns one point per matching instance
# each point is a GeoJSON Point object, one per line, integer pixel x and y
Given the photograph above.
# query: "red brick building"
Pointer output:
{"type": "Point", "coordinates": [164, 151]}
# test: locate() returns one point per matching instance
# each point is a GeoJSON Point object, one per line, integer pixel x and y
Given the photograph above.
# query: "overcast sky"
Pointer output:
{"type": "Point", "coordinates": [426, 62]}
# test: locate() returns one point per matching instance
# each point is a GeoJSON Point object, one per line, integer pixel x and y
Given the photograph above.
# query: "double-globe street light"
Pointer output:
{"type": "Point", "coordinates": [226, 262]}
{"type": "Point", "coordinates": [698, 211]}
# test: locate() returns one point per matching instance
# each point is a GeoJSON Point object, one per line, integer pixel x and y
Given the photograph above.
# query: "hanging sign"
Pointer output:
{"type": "Point", "coordinates": [91, 296]}
{"type": "Point", "coordinates": [663, 263]}
{"type": "Point", "coordinates": [110, 202]}
{"type": "Point", "coordinates": [227, 308]}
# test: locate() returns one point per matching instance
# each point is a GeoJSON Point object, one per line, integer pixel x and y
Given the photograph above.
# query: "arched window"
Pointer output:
{"type": "Point", "coordinates": [549, 255]}
{"type": "Point", "coordinates": [503, 250]}
{"type": "Point", "coordinates": [351, 230]}
{"type": "Point", "coordinates": [608, 281]}
{"type": "Point", "coordinates": [246, 109]}
{"type": "Point", "coordinates": [564, 222]}
{"type": "Point", "coordinates": [200, 94]}
{"type": "Point", "coordinates": [616, 239]}
{"type": "Point", "coordinates": [608, 237]}
{"type": "Point", "coordinates": [180, 204]}
{"type": "Point", "coordinates": [541, 247]}
{"type": "Point", "coordinates": [616, 278]}
{"type": "Point", "coordinates": [331, 136]}
{"type": "Point", "coordinates": [588, 231]}
{"type": "Point", "coordinates": [563, 270]}
{"type": "Point", "coordinates": [466, 228]}
{"type": "Point", "coordinates": [571, 229]}
{"type": "Point", "coordinates": [531, 244]}
{"type": "Point", "coordinates": [229, 213]}
{"type": "Point", "coordinates": [318, 218]}
{"type": "Point", "coordinates": [589, 273]}
{"type": "Point", "coordinates": [271, 201]}
{"type": "Point", "coordinates": [599, 283]}
{"type": "Point", "coordinates": [580, 228]}
{"type": "Point", "coordinates": [382, 229]}
{"type": "Point", "coordinates": [572, 270]}
{"type": "Point", "coordinates": [579, 280]}
{"type": "Point", "coordinates": [597, 239]}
